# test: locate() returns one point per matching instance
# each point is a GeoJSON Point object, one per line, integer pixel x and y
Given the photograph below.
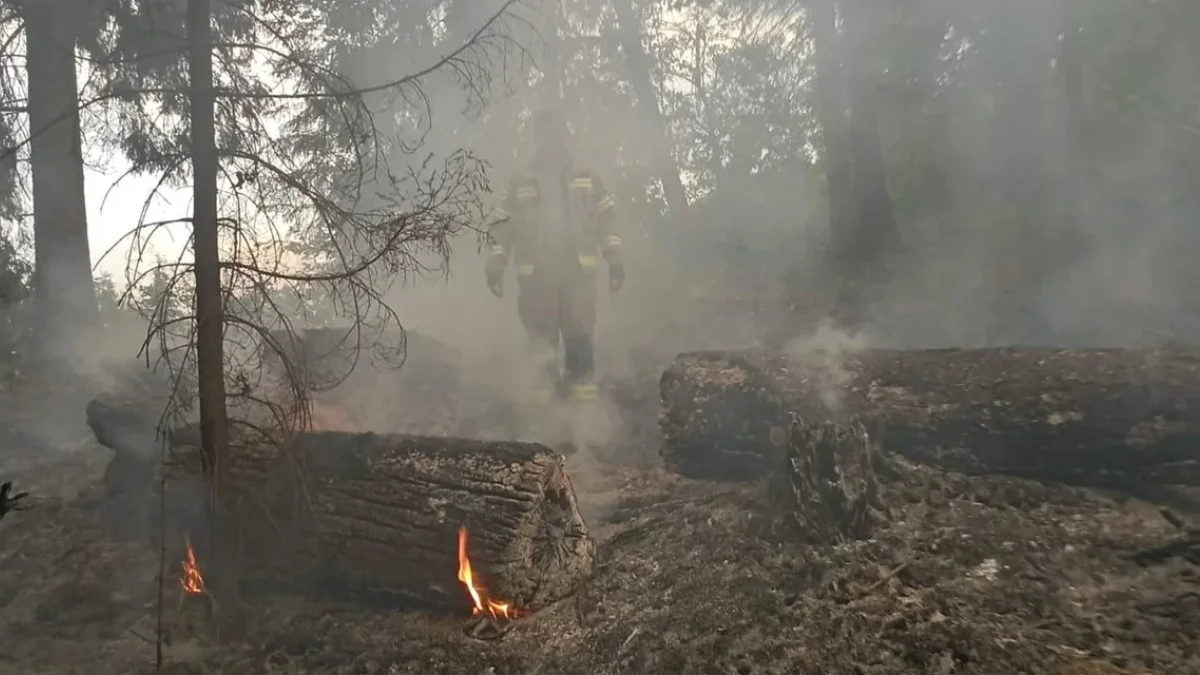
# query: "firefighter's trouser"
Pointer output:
{"type": "Point", "coordinates": [554, 305]}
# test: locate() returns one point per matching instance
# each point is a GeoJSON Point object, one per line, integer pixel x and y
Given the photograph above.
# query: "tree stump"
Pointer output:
{"type": "Point", "coordinates": [1108, 417]}
{"type": "Point", "coordinates": [827, 489]}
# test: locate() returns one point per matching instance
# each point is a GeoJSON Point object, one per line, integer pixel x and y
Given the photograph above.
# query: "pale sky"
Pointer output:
{"type": "Point", "coordinates": [113, 214]}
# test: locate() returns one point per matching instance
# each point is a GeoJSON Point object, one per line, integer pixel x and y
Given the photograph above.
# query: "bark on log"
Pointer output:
{"type": "Point", "coordinates": [827, 489]}
{"type": "Point", "coordinates": [1094, 417]}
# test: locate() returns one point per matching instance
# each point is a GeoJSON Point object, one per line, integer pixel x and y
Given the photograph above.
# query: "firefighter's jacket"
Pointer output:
{"type": "Point", "coordinates": [555, 215]}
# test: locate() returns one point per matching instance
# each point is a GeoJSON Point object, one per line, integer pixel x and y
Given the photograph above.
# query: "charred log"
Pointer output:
{"type": "Point", "coordinates": [1097, 417]}
{"type": "Point", "coordinates": [827, 490]}
{"type": "Point", "coordinates": [383, 512]}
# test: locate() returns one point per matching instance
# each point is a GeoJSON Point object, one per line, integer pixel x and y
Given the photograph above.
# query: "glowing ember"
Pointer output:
{"type": "Point", "coordinates": [190, 577]}
{"type": "Point", "coordinates": [478, 595]}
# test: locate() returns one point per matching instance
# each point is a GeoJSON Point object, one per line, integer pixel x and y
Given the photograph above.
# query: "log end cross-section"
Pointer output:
{"type": "Point", "coordinates": [383, 512]}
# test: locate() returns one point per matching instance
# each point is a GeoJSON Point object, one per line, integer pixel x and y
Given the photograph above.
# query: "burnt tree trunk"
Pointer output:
{"type": "Point", "coordinates": [1096, 417]}
{"type": "Point", "coordinates": [827, 488]}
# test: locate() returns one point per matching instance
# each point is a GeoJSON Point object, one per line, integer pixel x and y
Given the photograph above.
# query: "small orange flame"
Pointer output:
{"type": "Point", "coordinates": [190, 577]}
{"type": "Point", "coordinates": [478, 596]}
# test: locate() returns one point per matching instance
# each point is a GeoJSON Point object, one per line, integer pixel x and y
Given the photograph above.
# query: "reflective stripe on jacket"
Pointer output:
{"type": "Point", "coordinates": [588, 219]}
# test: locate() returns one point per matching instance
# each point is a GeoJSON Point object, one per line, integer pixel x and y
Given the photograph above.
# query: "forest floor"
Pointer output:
{"type": "Point", "coordinates": [966, 576]}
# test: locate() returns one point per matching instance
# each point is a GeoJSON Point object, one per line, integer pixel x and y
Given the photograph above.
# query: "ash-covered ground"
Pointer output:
{"type": "Point", "coordinates": [968, 576]}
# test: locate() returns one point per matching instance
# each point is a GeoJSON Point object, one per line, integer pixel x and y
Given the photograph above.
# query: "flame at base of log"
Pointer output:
{"type": "Point", "coordinates": [490, 619]}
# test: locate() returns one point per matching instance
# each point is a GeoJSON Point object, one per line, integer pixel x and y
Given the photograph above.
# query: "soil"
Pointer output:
{"type": "Point", "coordinates": [965, 576]}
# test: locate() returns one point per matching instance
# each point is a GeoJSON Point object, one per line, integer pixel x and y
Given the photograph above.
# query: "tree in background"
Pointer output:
{"type": "Point", "coordinates": [65, 307]}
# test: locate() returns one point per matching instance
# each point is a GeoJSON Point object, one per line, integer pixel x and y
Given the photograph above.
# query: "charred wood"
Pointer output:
{"type": "Point", "coordinates": [827, 490]}
{"type": "Point", "coordinates": [1107, 417]}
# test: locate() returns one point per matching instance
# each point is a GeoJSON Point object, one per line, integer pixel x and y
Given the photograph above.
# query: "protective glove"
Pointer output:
{"type": "Point", "coordinates": [495, 282]}
{"type": "Point", "coordinates": [11, 502]}
{"type": "Point", "coordinates": [616, 277]}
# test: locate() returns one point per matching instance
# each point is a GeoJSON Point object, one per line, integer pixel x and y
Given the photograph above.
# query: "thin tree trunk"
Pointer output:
{"type": "Point", "coordinates": [63, 288]}
{"type": "Point", "coordinates": [1072, 74]}
{"type": "Point", "coordinates": [214, 427]}
{"type": "Point", "coordinates": [639, 68]}
{"type": "Point", "coordinates": [553, 65]}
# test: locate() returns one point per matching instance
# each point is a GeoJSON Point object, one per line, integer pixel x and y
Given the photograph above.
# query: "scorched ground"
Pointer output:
{"type": "Point", "coordinates": [965, 576]}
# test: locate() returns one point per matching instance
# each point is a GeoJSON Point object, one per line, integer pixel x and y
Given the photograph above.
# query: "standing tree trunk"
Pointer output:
{"type": "Point", "coordinates": [639, 69]}
{"type": "Point", "coordinates": [878, 231]}
{"type": "Point", "coordinates": [65, 299]}
{"type": "Point", "coordinates": [1072, 81]}
{"type": "Point", "coordinates": [831, 113]}
{"type": "Point", "coordinates": [214, 426]}
{"type": "Point", "coordinates": [552, 56]}
{"type": "Point", "coordinates": [877, 234]}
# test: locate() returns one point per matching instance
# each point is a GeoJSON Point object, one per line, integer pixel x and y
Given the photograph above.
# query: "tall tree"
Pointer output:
{"type": "Point", "coordinates": [877, 233]}
{"type": "Point", "coordinates": [63, 291]}
{"type": "Point", "coordinates": [639, 69]}
{"type": "Point", "coordinates": [863, 228]}
{"type": "Point", "coordinates": [210, 312]}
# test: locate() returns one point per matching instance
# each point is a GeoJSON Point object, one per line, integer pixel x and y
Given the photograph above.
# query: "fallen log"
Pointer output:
{"type": "Point", "coordinates": [826, 492]}
{"type": "Point", "coordinates": [381, 514]}
{"type": "Point", "coordinates": [1095, 417]}
{"type": "Point", "coordinates": [127, 426]}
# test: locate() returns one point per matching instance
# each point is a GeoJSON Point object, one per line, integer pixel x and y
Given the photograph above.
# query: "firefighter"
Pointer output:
{"type": "Point", "coordinates": [557, 221]}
